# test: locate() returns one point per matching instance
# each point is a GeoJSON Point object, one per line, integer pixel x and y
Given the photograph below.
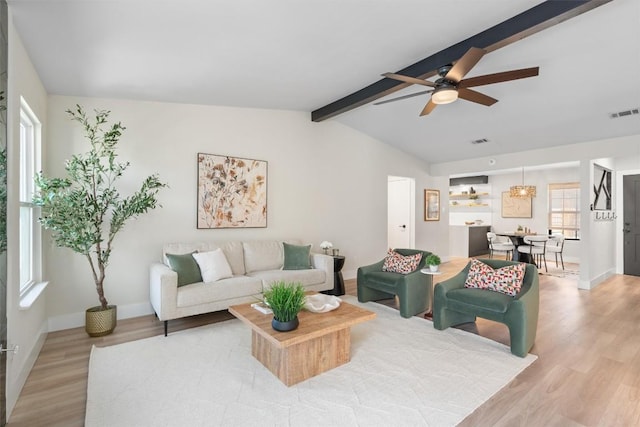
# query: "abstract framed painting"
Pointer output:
{"type": "Point", "coordinates": [515, 207]}
{"type": "Point", "coordinates": [432, 205]}
{"type": "Point", "coordinates": [232, 192]}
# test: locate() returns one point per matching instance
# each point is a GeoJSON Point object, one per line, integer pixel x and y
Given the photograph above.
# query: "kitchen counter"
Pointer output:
{"type": "Point", "coordinates": [469, 240]}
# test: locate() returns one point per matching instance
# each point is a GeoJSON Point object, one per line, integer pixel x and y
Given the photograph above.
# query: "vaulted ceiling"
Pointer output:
{"type": "Point", "coordinates": [304, 55]}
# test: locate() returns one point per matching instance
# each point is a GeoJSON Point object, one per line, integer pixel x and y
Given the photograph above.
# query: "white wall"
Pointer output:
{"type": "Point", "coordinates": [325, 182]}
{"type": "Point", "coordinates": [27, 328]}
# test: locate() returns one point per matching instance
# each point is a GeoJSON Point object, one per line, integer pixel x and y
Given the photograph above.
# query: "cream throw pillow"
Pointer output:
{"type": "Point", "coordinates": [213, 265]}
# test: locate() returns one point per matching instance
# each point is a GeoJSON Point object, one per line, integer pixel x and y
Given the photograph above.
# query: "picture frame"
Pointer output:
{"type": "Point", "coordinates": [432, 205]}
{"type": "Point", "coordinates": [601, 189]}
{"type": "Point", "coordinates": [232, 192]}
{"type": "Point", "coordinates": [516, 207]}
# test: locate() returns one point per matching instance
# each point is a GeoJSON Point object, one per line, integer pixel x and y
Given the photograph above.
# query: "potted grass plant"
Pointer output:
{"type": "Point", "coordinates": [84, 210]}
{"type": "Point", "coordinates": [433, 261]}
{"type": "Point", "coordinates": [285, 300]}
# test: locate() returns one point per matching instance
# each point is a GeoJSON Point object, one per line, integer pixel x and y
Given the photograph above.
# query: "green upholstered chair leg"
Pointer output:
{"type": "Point", "coordinates": [443, 318]}
{"type": "Point", "coordinates": [414, 296]}
{"type": "Point", "coordinates": [369, 294]}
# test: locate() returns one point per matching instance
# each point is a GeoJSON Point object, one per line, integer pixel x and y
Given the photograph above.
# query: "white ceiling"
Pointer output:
{"type": "Point", "coordinates": [302, 55]}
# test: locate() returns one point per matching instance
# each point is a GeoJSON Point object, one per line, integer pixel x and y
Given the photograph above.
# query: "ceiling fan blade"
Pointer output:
{"type": "Point", "coordinates": [465, 64]}
{"type": "Point", "coordinates": [408, 79]}
{"type": "Point", "coordinates": [402, 97]}
{"type": "Point", "coordinates": [473, 96]}
{"type": "Point", "coordinates": [505, 76]}
{"type": "Point", "coordinates": [428, 108]}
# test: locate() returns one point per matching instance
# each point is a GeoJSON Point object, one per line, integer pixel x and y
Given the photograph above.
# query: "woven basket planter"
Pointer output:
{"type": "Point", "coordinates": [99, 322]}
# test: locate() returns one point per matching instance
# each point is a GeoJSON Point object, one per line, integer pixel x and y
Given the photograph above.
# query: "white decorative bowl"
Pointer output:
{"type": "Point", "coordinates": [321, 303]}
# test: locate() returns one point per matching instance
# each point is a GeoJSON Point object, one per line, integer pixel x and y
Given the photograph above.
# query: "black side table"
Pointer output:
{"type": "Point", "coordinates": [338, 281]}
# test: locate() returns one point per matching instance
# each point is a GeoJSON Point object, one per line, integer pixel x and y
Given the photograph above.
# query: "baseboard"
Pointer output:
{"type": "Point", "coordinates": [592, 283]}
{"type": "Point", "coordinates": [76, 320]}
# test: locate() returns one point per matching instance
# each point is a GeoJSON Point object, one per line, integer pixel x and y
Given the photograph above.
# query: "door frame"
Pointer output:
{"type": "Point", "coordinates": [411, 227]}
{"type": "Point", "coordinates": [619, 204]}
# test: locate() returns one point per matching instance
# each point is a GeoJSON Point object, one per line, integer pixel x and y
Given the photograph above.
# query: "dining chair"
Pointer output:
{"type": "Point", "coordinates": [536, 245]}
{"type": "Point", "coordinates": [496, 245]}
{"type": "Point", "coordinates": [555, 246]}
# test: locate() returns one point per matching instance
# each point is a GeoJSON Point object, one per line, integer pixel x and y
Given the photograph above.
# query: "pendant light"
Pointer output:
{"type": "Point", "coordinates": [522, 191]}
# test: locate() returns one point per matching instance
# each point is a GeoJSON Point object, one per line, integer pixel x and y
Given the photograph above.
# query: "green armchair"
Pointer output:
{"type": "Point", "coordinates": [454, 304]}
{"type": "Point", "coordinates": [412, 289]}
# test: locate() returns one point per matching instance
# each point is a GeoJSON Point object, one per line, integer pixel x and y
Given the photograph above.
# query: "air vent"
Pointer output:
{"type": "Point", "coordinates": [479, 141]}
{"type": "Point", "coordinates": [623, 113]}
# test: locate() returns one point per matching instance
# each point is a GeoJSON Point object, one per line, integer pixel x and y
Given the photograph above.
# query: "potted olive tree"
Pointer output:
{"type": "Point", "coordinates": [84, 210]}
{"type": "Point", "coordinates": [285, 300]}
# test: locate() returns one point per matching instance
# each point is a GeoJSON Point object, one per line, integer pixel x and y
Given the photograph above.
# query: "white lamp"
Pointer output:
{"type": "Point", "coordinates": [444, 95]}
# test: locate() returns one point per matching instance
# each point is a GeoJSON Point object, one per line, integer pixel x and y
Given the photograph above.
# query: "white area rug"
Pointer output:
{"type": "Point", "coordinates": [402, 372]}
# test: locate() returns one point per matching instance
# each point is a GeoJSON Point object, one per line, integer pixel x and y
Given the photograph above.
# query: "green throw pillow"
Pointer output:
{"type": "Point", "coordinates": [296, 257]}
{"type": "Point", "coordinates": [186, 267]}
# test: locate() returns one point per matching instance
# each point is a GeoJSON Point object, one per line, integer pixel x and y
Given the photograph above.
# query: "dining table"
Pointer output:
{"type": "Point", "coordinates": [517, 238]}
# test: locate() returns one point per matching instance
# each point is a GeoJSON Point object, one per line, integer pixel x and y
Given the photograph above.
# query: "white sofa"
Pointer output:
{"type": "Point", "coordinates": [254, 264]}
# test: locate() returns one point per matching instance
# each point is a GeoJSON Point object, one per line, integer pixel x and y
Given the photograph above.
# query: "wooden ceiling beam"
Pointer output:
{"type": "Point", "coordinates": [534, 20]}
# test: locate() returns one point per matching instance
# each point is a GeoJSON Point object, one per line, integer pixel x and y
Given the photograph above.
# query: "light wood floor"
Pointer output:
{"type": "Point", "coordinates": [587, 372]}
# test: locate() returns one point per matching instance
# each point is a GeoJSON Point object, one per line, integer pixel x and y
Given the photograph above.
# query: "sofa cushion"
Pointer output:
{"type": "Point", "coordinates": [296, 257]}
{"type": "Point", "coordinates": [262, 255]}
{"type": "Point", "coordinates": [306, 277]}
{"type": "Point", "coordinates": [213, 265]}
{"type": "Point", "coordinates": [186, 267]}
{"type": "Point", "coordinates": [507, 280]}
{"type": "Point", "coordinates": [385, 281]}
{"type": "Point", "coordinates": [396, 263]}
{"type": "Point", "coordinates": [478, 299]}
{"type": "Point", "coordinates": [232, 251]}
{"type": "Point", "coordinates": [234, 287]}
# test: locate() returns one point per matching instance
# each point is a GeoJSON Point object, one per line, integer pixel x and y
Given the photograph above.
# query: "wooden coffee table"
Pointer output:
{"type": "Point", "coordinates": [321, 342]}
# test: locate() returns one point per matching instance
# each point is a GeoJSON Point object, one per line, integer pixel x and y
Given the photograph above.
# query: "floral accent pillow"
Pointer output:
{"type": "Point", "coordinates": [396, 263]}
{"type": "Point", "coordinates": [507, 280]}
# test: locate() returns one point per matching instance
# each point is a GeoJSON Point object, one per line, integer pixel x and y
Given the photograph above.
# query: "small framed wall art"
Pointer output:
{"type": "Point", "coordinates": [432, 205]}
{"type": "Point", "coordinates": [232, 192]}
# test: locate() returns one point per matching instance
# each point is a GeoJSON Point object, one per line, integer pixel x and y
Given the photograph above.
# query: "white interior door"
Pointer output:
{"type": "Point", "coordinates": [400, 212]}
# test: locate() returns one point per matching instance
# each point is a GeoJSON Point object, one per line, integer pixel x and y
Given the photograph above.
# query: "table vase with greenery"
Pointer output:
{"type": "Point", "coordinates": [285, 300]}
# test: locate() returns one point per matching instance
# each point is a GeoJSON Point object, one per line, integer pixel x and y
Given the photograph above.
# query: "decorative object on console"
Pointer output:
{"type": "Point", "coordinates": [285, 300]}
{"type": "Point", "coordinates": [522, 191]}
{"type": "Point", "coordinates": [432, 205]}
{"type": "Point", "coordinates": [514, 207]}
{"type": "Point", "coordinates": [325, 246]}
{"type": "Point", "coordinates": [433, 261]}
{"type": "Point", "coordinates": [85, 211]}
{"type": "Point", "coordinates": [232, 192]}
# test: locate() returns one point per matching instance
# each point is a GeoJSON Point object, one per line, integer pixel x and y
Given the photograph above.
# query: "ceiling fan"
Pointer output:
{"type": "Point", "coordinates": [451, 85]}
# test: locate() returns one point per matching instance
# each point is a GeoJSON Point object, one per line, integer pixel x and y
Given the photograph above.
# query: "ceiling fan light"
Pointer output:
{"type": "Point", "coordinates": [444, 95]}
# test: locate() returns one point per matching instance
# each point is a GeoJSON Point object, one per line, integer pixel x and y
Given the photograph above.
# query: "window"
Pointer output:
{"type": "Point", "coordinates": [564, 209]}
{"type": "Point", "coordinates": [30, 246]}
